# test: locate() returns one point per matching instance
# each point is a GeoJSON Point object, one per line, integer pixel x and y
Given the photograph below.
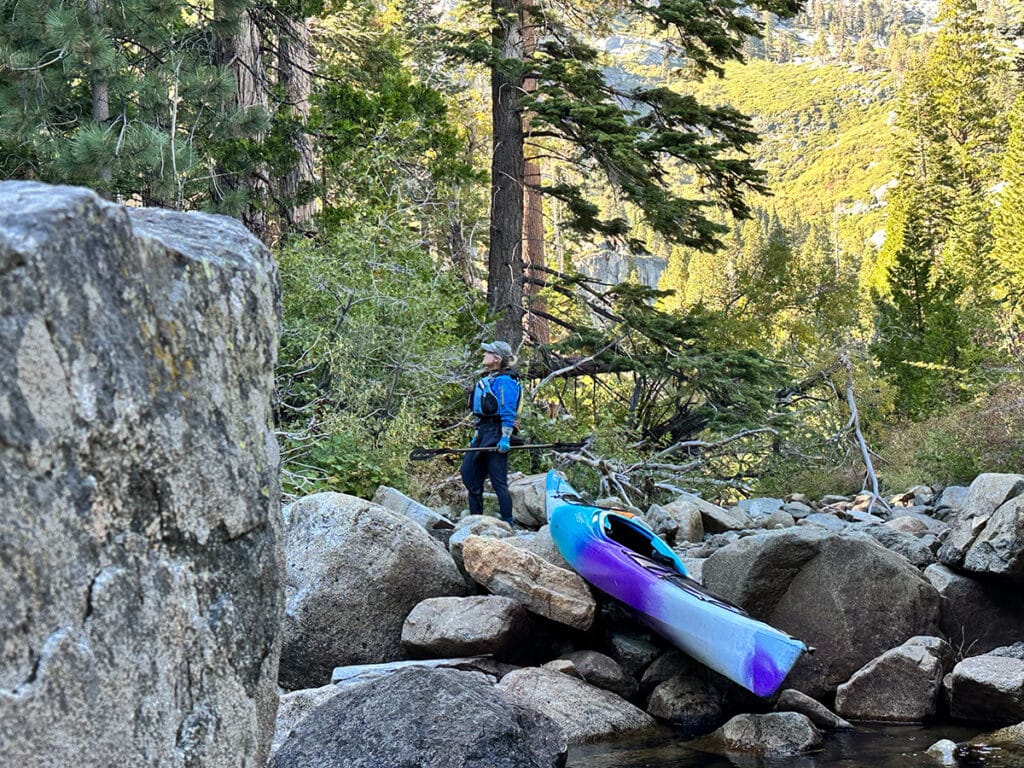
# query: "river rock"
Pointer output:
{"type": "Point", "coordinates": [585, 712]}
{"type": "Point", "coordinates": [986, 494]}
{"type": "Point", "coordinates": [439, 526]}
{"type": "Point", "coordinates": [140, 540]}
{"type": "Point", "coordinates": [906, 544]}
{"type": "Point", "coordinates": [999, 547]}
{"type": "Point", "coordinates": [295, 706]}
{"type": "Point", "coordinates": [529, 499]}
{"type": "Point", "coordinates": [603, 671]}
{"type": "Point", "coordinates": [809, 582]}
{"type": "Point", "coordinates": [791, 700]}
{"type": "Point", "coordinates": [467, 626]}
{"type": "Point", "coordinates": [989, 688]}
{"type": "Point", "coordinates": [355, 570]}
{"type": "Point", "coordinates": [690, 703]}
{"type": "Point", "coordinates": [714, 519]}
{"type": "Point", "coordinates": [439, 718]}
{"type": "Point", "coordinates": [1002, 747]}
{"type": "Point", "coordinates": [547, 590]}
{"type": "Point", "coordinates": [976, 614]}
{"type": "Point", "coordinates": [774, 734]}
{"type": "Point", "coordinates": [902, 685]}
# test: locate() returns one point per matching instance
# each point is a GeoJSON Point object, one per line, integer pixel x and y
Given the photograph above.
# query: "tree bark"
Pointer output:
{"type": "Point", "coordinates": [100, 94]}
{"type": "Point", "coordinates": [240, 52]}
{"type": "Point", "coordinates": [295, 65]}
{"type": "Point", "coordinates": [537, 328]}
{"type": "Point", "coordinates": [505, 260]}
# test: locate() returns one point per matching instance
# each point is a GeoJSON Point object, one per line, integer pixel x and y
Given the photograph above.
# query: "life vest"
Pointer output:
{"type": "Point", "coordinates": [484, 403]}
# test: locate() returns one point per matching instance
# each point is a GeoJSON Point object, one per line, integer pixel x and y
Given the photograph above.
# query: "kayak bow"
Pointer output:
{"type": "Point", "coordinates": [621, 556]}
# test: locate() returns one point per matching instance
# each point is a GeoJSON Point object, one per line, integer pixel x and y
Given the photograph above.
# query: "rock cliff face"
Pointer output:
{"type": "Point", "coordinates": [140, 556]}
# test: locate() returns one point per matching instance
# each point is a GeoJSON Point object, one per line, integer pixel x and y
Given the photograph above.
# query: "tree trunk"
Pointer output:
{"type": "Point", "coordinates": [100, 95]}
{"type": "Point", "coordinates": [533, 202]}
{"type": "Point", "coordinates": [295, 65]}
{"type": "Point", "coordinates": [240, 52]}
{"type": "Point", "coordinates": [505, 262]}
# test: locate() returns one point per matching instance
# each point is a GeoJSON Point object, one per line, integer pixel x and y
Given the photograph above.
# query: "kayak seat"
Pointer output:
{"type": "Point", "coordinates": [622, 532]}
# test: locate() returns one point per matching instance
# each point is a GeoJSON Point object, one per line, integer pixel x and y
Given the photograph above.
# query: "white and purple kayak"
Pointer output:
{"type": "Point", "coordinates": [621, 556]}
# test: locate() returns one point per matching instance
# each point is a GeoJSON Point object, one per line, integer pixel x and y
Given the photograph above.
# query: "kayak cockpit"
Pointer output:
{"type": "Point", "coordinates": [624, 529]}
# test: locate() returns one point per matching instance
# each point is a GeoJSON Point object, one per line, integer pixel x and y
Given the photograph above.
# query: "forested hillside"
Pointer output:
{"type": "Point", "coordinates": [814, 211]}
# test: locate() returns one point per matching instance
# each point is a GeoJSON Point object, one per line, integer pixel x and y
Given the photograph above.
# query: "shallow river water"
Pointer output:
{"type": "Point", "coordinates": [866, 747]}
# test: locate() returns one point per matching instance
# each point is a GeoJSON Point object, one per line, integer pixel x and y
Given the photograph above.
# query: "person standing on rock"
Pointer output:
{"type": "Point", "coordinates": [495, 403]}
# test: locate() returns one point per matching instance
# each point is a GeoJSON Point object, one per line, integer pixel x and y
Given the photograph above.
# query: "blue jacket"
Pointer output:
{"type": "Point", "coordinates": [495, 400]}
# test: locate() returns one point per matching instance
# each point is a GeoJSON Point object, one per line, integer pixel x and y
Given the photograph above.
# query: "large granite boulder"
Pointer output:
{"type": "Point", "coordinates": [586, 713]}
{"type": "Point", "coordinates": [140, 552]}
{"type": "Point", "coordinates": [354, 572]}
{"type": "Point", "coordinates": [429, 718]}
{"type": "Point", "coordinates": [976, 614]}
{"type": "Point", "coordinates": [988, 493]}
{"type": "Point", "coordinates": [989, 688]}
{"type": "Point", "coordinates": [775, 734]}
{"type": "Point", "coordinates": [468, 626]}
{"type": "Point", "coordinates": [848, 597]}
{"type": "Point", "coordinates": [902, 685]}
{"type": "Point", "coordinates": [545, 589]}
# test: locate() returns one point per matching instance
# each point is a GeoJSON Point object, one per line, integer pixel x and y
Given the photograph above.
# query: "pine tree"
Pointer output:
{"type": "Point", "coordinates": [1008, 229]}
{"type": "Point", "coordinates": [127, 97]}
{"type": "Point", "coordinates": [638, 137]}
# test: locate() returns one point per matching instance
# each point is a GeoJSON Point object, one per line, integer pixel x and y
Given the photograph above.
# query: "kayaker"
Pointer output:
{"type": "Point", "coordinates": [495, 402]}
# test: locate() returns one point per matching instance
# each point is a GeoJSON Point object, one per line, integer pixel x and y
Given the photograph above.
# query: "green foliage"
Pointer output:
{"type": "Point", "coordinates": [372, 329]}
{"type": "Point", "coordinates": [954, 445]}
{"type": "Point", "coordinates": [169, 113]}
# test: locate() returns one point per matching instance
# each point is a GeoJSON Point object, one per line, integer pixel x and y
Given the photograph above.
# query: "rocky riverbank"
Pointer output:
{"type": "Point", "coordinates": [414, 638]}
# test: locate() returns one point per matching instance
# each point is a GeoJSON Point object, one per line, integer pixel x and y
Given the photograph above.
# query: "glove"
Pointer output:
{"type": "Point", "coordinates": [503, 445]}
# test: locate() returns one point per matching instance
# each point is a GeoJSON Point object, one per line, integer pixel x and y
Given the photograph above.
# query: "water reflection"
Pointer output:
{"type": "Point", "coordinates": [866, 747]}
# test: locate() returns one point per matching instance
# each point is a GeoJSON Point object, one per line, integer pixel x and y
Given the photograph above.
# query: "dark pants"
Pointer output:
{"type": "Point", "coordinates": [478, 466]}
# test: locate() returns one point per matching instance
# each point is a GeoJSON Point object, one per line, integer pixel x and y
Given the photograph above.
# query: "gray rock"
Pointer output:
{"type": "Point", "coordinates": [802, 581]}
{"type": "Point", "coordinates": [662, 522]}
{"type": "Point", "coordinates": [585, 713]}
{"type": "Point", "coordinates": [798, 509]}
{"type": "Point", "coordinates": [999, 546]}
{"type": "Point", "coordinates": [529, 502]}
{"type": "Point", "coordinates": [759, 508]}
{"type": "Point", "coordinates": [140, 543]}
{"type": "Point", "coordinates": [295, 706]}
{"type": "Point", "coordinates": [902, 685]}
{"type": "Point", "coordinates": [689, 519]}
{"type": "Point", "coordinates": [467, 626]}
{"type": "Point", "coordinates": [633, 652]}
{"type": "Point", "coordinates": [906, 544]}
{"type": "Point", "coordinates": [988, 688]}
{"type": "Point", "coordinates": [986, 494]}
{"type": "Point", "coordinates": [975, 615]}
{"type": "Point", "coordinates": [355, 571]}
{"type": "Point", "coordinates": [952, 498]}
{"type": "Point", "coordinates": [774, 734]}
{"type": "Point", "coordinates": [826, 520]}
{"type": "Point", "coordinates": [687, 702]}
{"type": "Point", "coordinates": [713, 518]}
{"type": "Point", "coordinates": [943, 752]}
{"type": "Point", "coordinates": [437, 524]}
{"type": "Point", "coordinates": [668, 665]}
{"type": "Point", "coordinates": [483, 666]}
{"type": "Point", "coordinates": [426, 718]}
{"type": "Point", "coordinates": [791, 700]}
{"type": "Point", "coordinates": [604, 672]}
